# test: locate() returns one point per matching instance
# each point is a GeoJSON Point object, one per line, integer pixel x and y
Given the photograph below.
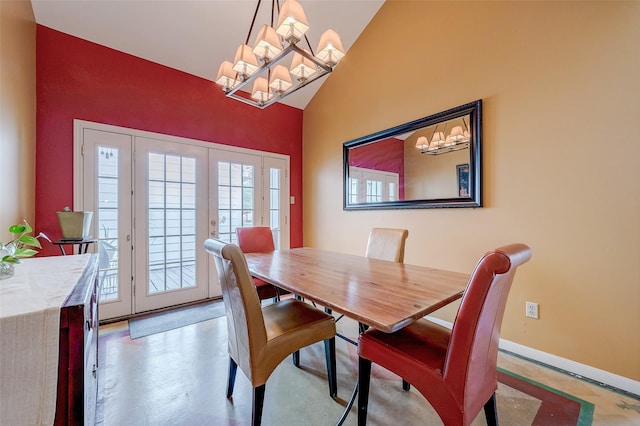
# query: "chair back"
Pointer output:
{"type": "Point", "coordinates": [245, 323]}
{"type": "Point", "coordinates": [256, 239]}
{"type": "Point", "coordinates": [470, 367]}
{"type": "Point", "coordinates": [387, 244]}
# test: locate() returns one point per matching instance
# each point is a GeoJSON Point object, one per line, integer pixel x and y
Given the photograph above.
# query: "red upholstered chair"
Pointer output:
{"type": "Point", "coordinates": [259, 239]}
{"type": "Point", "coordinates": [455, 370]}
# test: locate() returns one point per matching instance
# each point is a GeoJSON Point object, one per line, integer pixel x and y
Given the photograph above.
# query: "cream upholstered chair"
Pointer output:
{"type": "Point", "coordinates": [455, 370]}
{"type": "Point", "coordinates": [261, 337]}
{"type": "Point", "coordinates": [387, 244]}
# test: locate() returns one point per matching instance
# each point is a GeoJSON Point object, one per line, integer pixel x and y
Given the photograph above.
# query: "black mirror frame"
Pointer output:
{"type": "Point", "coordinates": [474, 110]}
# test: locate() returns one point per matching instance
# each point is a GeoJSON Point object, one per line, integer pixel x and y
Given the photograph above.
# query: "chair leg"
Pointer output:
{"type": "Point", "coordinates": [491, 412]}
{"type": "Point", "coordinates": [364, 376]}
{"type": "Point", "coordinates": [330, 354]}
{"type": "Point", "coordinates": [258, 402]}
{"type": "Point", "coordinates": [405, 385]}
{"type": "Point", "coordinates": [233, 368]}
{"type": "Point", "coordinates": [296, 358]}
{"type": "Point", "coordinates": [327, 310]}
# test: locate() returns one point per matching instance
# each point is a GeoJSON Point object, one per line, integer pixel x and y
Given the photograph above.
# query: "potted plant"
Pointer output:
{"type": "Point", "coordinates": [22, 245]}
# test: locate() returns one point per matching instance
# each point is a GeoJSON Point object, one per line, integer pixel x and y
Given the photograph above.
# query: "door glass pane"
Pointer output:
{"type": "Point", "coordinates": [274, 204]}
{"type": "Point", "coordinates": [107, 221]}
{"type": "Point", "coordinates": [171, 227]}
{"type": "Point", "coordinates": [392, 191]}
{"type": "Point", "coordinates": [236, 186]}
{"type": "Point", "coordinates": [353, 190]}
{"type": "Point", "coordinates": [374, 191]}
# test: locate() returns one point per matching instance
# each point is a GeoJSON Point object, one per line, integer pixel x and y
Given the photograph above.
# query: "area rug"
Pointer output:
{"type": "Point", "coordinates": [169, 320]}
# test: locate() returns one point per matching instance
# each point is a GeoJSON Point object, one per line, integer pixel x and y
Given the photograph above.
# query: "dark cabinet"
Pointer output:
{"type": "Point", "coordinates": [78, 359]}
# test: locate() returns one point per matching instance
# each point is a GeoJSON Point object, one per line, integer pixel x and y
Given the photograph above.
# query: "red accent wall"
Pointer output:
{"type": "Point", "coordinates": [77, 79]}
{"type": "Point", "coordinates": [386, 155]}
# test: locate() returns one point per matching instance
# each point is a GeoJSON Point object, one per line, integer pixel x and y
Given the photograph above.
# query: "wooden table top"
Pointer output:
{"type": "Point", "coordinates": [381, 294]}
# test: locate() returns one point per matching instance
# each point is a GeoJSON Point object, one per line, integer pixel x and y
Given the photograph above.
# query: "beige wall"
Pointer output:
{"type": "Point", "coordinates": [17, 113]}
{"type": "Point", "coordinates": [560, 87]}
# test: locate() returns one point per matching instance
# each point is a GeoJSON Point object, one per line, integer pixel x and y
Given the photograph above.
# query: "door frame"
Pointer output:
{"type": "Point", "coordinates": [79, 185]}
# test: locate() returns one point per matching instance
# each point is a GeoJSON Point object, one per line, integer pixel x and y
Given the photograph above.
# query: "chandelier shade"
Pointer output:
{"type": "Point", "coordinates": [330, 48]}
{"type": "Point", "coordinates": [459, 138]}
{"type": "Point", "coordinates": [267, 44]}
{"type": "Point", "coordinates": [280, 79]}
{"type": "Point", "coordinates": [226, 75]}
{"type": "Point", "coordinates": [292, 21]}
{"type": "Point", "coordinates": [273, 48]}
{"type": "Point", "coordinates": [302, 67]}
{"type": "Point", "coordinates": [245, 62]}
{"type": "Point", "coordinates": [261, 90]}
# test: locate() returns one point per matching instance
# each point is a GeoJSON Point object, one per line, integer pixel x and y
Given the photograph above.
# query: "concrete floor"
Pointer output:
{"type": "Point", "coordinates": [179, 378]}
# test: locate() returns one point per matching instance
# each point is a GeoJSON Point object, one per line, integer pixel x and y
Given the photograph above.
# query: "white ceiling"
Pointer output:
{"type": "Point", "coordinates": [195, 36]}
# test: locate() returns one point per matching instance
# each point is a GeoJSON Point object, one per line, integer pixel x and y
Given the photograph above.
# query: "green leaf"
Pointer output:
{"type": "Point", "coordinates": [27, 227]}
{"type": "Point", "coordinates": [17, 229]}
{"type": "Point", "coordinates": [29, 240]}
{"type": "Point", "coordinates": [10, 259]}
{"type": "Point", "coordinates": [25, 252]}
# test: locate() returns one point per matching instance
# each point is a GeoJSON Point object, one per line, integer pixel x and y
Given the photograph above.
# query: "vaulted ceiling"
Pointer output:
{"type": "Point", "coordinates": [195, 36]}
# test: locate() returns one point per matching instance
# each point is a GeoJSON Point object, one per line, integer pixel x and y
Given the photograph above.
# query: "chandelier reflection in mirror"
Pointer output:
{"type": "Point", "coordinates": [439, 144]}
{"type": "Point", "coordinates": [263, 66]}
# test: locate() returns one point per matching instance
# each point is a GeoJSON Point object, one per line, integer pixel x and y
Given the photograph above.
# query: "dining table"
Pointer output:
{"type": "Point", "coordinates": [377, 293]}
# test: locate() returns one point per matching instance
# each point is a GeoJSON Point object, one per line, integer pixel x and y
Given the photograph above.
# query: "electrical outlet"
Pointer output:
{"type": "Point", "coordinates": [531, 310]}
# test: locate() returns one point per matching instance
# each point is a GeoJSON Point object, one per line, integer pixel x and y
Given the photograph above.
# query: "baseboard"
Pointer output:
{"type": "Point", "coordinates": [576, 369]}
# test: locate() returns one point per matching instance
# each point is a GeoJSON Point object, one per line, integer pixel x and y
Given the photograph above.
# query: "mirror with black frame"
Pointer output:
{"type": "Point", "coordinates": [431, 162]}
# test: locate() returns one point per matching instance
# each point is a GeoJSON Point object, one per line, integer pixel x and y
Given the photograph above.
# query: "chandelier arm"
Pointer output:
{"type": "Point", "coordinates": [434, 132]}
{"type": "Point", "coordinates": [253, 21]}
{"type": "Point", "coordinates": [465, 124]}
{"type": "Point", "coordinates": [309, 45]}
{"type": "Point", "coordinates": [273, 7]}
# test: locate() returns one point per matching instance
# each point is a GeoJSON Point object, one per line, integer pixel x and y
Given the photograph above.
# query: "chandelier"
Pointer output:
{"type": "Point", "coordinates": [264, 64]}
{"type": "Point", "coordinates": [457, 140]}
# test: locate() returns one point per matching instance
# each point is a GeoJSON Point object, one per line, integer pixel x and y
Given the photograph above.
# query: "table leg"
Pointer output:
{"type": "Point", "coordinates": [361, 328]}
{"type": "Point", "coordinates": [62, 249]}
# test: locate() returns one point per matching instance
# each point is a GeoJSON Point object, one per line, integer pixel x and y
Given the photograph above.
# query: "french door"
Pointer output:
{"type": "Point", "coordinates": [156, 199]}
{"type": "Point", "coordinates": [170, 218]}
{"type": "Point", "coordinates": [106, 190]}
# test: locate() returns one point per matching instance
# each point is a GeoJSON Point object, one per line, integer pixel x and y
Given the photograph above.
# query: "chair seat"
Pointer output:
{"type": "Point", "coordinates": [290, 325]}
{"type": "Point", "coordinates": [416, 350]}
{"type": "Point", "coordinates": [286, 320]}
